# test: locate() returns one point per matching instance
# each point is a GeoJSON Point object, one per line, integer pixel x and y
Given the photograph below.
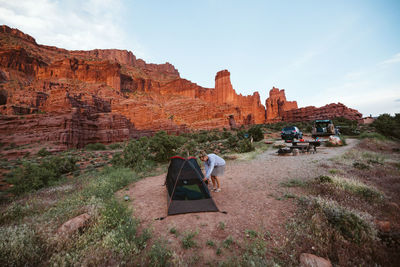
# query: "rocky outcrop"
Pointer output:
{"type": "Point", "coordinates": [98, 95]}
{"type": "Point", "coordinates": [67, 130]}
{"type": "Point", "coordinates": [310, 260]}
{"type": "Point", "coordinates": [277, 104]}
{"type": "Point", "coordinates": [86, 71]}
{"type": "Point", "coordinates": [18, 59]}
{"type": "Point", "coordinates": [279, 109]}
{"type": "Point", "coordinates": [125, 57]}
{"type": "Point", "coordinates": [329, 111]}
{"type": "Point", "coordinates": [17, 33]}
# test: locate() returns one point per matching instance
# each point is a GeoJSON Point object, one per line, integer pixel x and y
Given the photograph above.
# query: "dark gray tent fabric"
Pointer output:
{"type": "Point", "coordinates": [186, 190]}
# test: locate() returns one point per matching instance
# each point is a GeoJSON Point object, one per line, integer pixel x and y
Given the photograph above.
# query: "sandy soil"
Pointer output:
{"type": "Point", "coordinates": [251, 195]}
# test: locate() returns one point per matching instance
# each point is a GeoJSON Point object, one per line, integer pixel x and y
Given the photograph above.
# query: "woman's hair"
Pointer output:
{"type": "Point", "coordinates": [202, 154]}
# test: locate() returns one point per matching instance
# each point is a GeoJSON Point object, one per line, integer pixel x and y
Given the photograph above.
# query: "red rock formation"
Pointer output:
{"type": "Point", "coordinates": [15, 32]}
{"type": "Point", "coordinates": [92, 72]}
{"type": "Point", "coordinates": [98, 95]}
{"type": "Point", "coordinates": [125, 57]}
{"type": "Point", "coordinates": [329, 111]}
{"type": "Point", "coordinates": [18, 59]}
{"type": "Point", "coordinates": [244, 107]}
{"type": "Point", "coordinates": [276, 105]}
{"type": "Point", "coordinates": [66, 130]}
{"type": "Point", "coordinates": [278, 109]}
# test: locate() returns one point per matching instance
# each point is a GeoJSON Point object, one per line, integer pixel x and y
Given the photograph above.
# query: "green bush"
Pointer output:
{"type": "Point", "coordinates": [159, 255]}
{"type": "Point", "coordinates": [346, 126]}
{"type": "Point", "coordinates": [244, 146]}
{"type": "Point", "coordinates": [134, 156]}
{"type": "Point", "coordinates": [95, 146]}
{"type": "Point", "coordinates": [33, 176]}
{"type": "Point", "coordinates": [43, 152]}
{"type": "Point", "coordinates": [323, 179]}
{"type": "Point", "coordinates": [115, 146]}
{"type": "Point", "coordinates": [360, 165]}
{"type": "Point", "coordinates": [20, 246]}
{"type": "Point", "coordinates": [256, 132]}
{"type": "Point", "coordinates": [388, 125]}
{"type": "Point", "coordinates": [350, 224]}
{"type": "Point", "coordinates": [187, 240]}
{"type": "Point", "coordinates": [163, 146]}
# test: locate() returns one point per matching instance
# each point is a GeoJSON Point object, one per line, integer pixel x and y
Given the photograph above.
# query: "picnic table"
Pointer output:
{"type": "Point", "coordinates": [305, 145]}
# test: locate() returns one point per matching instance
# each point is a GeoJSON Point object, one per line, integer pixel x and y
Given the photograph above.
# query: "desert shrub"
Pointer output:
{"type": "Point", "coordinates": [352, 225]}
{"type": "Point", "coordinates": [357, 188]}
{"type": "Point", "coordinates": [115, 146]}
{"type": "Point", "coordinates": [43, 152]}
{"type": "Point", "coordinates": [120, 229]}
{"type": "Point", "coordinates": [210, 243]}
{"type": "Point", "coordinates": [33, 176]}
{"type": "Point", "coordinates": [244, 146]}
{"type": "Point", "coordinates": [164, 146]}
{"type": "Point", "coordinates": [20, 246]}
{"type": "Point", "coordinates": [346, 126]}
{"type": "Point", "coordinates": [323, 179]}
{"type": "Point", "coordinates": [188, 148]}
{"type": "Point", "coordinates": [227, 242]}
{"type": "Point", "coordinates": [360, 165]}
{"type": "Point", "coordinates": [159, 254]}
{"type": "Point", "coordinates": [372, 135]}
{"type": "Point", "coordinates": [294, 183]}
{"type": "Point", "coordinates": [135, 155]}
{"type": "Point", "coordinates": [256, 132]}
{"type": "Point", "coordinates": [188, 239]}
{"type": "Point", "coordinates": [388, 125]}
{"type": "Point", "coordinates": [226, 134]}
{"type": "Point", "coordinates": [95, 146]}
{"type": "Point", "coordinates": [108, 181]}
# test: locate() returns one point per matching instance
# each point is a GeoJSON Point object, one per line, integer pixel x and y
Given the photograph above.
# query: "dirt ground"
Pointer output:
{"type": "Point", "coordinates": [251, 195]}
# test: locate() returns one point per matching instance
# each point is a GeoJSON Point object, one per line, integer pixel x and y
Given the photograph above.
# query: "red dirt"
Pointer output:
{"type": "Point", "coordinates": [251, 195]}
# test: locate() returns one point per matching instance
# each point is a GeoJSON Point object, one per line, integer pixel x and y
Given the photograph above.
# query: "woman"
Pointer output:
{"type": "Point", "coordinates": [215, 166]}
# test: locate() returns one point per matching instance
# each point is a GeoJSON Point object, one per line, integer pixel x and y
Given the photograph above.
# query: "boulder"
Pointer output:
{"type": "Point", "coordinates": [310, 260]}
{"type": "Point", "coordinates": [74, 224]}
{"type": "Point", "coordinates": [335, 140]}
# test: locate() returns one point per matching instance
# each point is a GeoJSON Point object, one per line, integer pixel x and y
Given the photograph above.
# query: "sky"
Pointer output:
{"type": "Point", "coordinates": [320, 52]}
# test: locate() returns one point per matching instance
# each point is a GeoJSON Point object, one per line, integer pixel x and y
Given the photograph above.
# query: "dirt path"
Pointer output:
{"type": "Point", "coordinates": [251, 195]}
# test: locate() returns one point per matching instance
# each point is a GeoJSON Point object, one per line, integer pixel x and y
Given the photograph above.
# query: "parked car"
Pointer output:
{"type": "Point", "coordinates": [323, 128]}
{"type": "Point", "coordinates": [290, 133]}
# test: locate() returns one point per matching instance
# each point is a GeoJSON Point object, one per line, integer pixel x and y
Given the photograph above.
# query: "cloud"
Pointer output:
{"type": "Point", "coordinates": [397, 100]}
{"type": "Point", "coordinates": [393, 60]}
{"type": "Point", "coordinates": [74, 25]}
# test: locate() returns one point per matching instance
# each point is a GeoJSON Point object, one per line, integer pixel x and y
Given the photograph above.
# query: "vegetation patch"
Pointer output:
{"type": "Point", "coordinates": [294, 183]}
{"type": "Point", "coordinates": [95, 146]}
{"type": "Point", "coordinates": [33, 176]}
{"type": "Point", "coordinates": [188, 239]}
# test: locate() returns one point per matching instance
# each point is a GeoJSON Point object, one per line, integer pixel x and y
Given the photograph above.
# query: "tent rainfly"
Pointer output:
{"type": "Point", "coordinates": [186, 190]}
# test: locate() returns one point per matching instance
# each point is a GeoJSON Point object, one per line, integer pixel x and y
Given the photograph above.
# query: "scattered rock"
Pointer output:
{"type": "Point", "coordinates": [74, 224]}
{"type": "Point", "coordinates": [310, 260]}
{"type": "Point", "coordinates": [383, 226]}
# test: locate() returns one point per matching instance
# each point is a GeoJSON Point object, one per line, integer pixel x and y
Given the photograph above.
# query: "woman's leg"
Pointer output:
{"type": "Point", "coordinates": [217, 181]}
{"type": "Point", "coordinates": [213, 181]}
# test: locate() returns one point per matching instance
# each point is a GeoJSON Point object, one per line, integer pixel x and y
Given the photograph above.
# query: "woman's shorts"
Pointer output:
{"type": "Point", "coordinates": [218, 170]}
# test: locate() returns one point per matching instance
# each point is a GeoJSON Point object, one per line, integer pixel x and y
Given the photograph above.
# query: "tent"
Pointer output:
{"type": "Point", "coordinates": [186, 190]}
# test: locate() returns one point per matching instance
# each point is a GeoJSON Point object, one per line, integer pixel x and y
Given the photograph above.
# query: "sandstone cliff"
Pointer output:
{"type": "Point", "coordinates": [108, 95]}
{"type": "Point", "coordinates": [279, 109]}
